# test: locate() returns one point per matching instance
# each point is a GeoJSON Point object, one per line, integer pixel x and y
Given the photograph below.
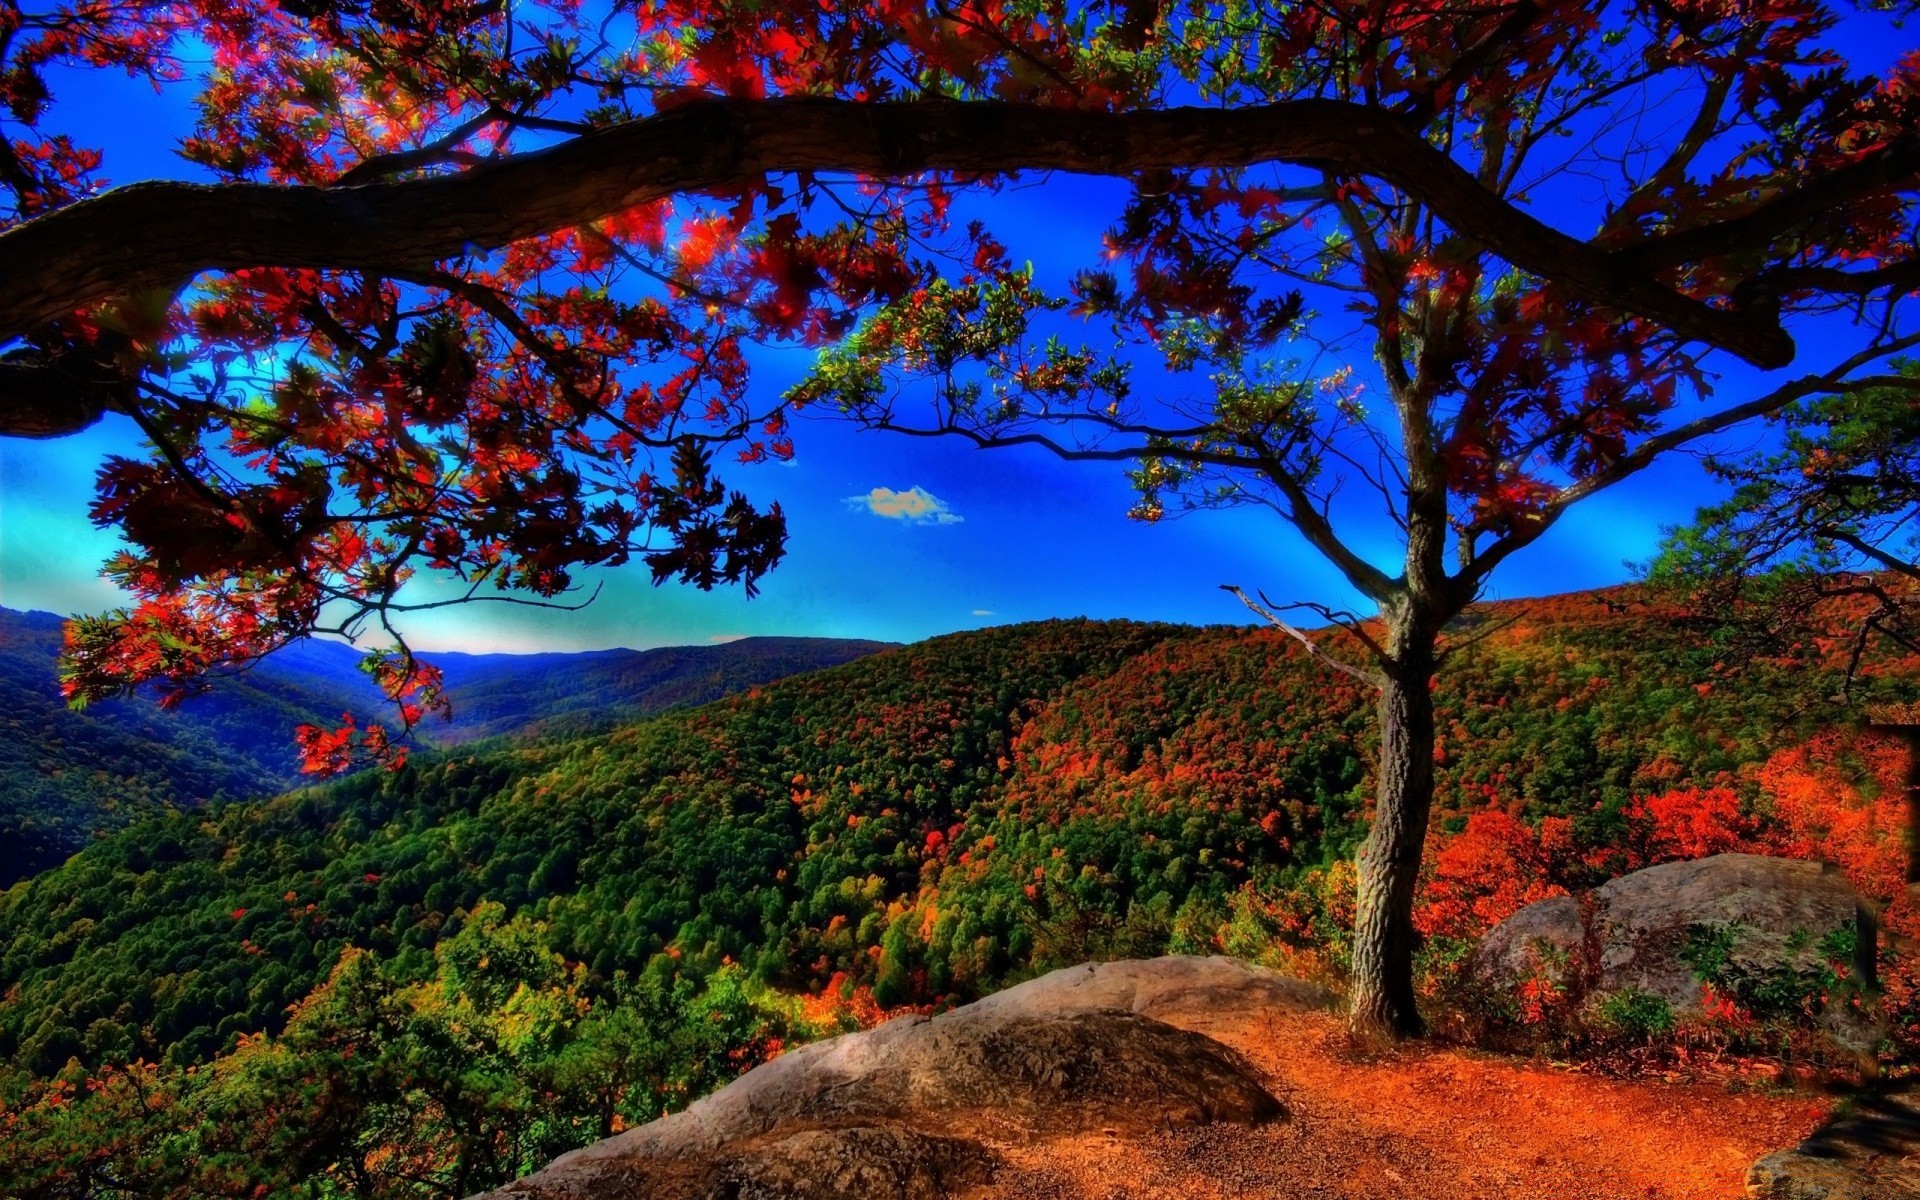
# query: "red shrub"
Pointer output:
{"type": "Point", "coordinates": [1489, 871]}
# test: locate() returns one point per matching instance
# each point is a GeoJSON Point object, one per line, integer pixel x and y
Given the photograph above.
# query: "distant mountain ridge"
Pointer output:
{"type": "Point", "coordinates": [66, 775]}
{"type": "Point", "coordinates": [496, 694]}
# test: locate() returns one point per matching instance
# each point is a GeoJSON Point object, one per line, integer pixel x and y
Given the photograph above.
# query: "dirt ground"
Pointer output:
{"type": "Point", "coordinates": [1429, 1123]}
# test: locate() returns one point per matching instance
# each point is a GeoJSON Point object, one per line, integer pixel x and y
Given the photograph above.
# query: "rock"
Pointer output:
{"type": "Point", "coordinates": [1188, 992]}
{"type": "Point", "coordinates": [883, 1162]}
{"type": "Point", "coordinates": [1792, 1175]}
{"type": "Point", "coordinates": [1754, 926]}
{"type": "Point", "coordinates": [1866, 1152]}
{"type": "Point", "coordinates": [868, 1161]}
{"type": "Point", "coordinates": [906, 1109]}
{"type": "Point", "coordinates": [979, 1072]}
{"type": "Point", "coordinates": [1544, 932]}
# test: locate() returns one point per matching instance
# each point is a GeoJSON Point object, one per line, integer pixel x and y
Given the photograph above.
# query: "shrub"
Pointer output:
{"type": "Point", "coordinates": [1636, 1015]}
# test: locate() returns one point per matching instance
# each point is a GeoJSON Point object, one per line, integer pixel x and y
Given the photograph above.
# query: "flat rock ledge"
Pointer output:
{"type": "Point", "coordinates": [1870, 1152]}
{"type": "Point", "coordinates": [910, 1110]}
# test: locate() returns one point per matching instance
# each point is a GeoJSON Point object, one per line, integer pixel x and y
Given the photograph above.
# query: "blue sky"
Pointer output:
{"type": "Point", "coordinates": [957, 538]}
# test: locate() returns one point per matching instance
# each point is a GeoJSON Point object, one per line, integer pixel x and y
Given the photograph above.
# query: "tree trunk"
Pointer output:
{"type": "Point", "coordinates": [1389, 865]}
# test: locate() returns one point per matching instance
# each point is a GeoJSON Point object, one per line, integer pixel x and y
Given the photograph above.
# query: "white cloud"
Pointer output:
{"type": "Point", "coordinates": [983, 612]}
{"type": "Point", "coordinates": [916, 505]}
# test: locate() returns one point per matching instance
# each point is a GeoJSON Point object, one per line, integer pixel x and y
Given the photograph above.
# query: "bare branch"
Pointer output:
{"type": "Point", "coordinates": [993, 441]}
{"type": "Point", "coordinates": [1372, 679]}
{"type": "Point", "coordinates": [1347, 621]}
{"type": "Point", "coordinates": [441, 150]}
{"type": "Point", "coordinates": [1896, 565]}
{"type": "Point", "coordinates": [1893, 279]}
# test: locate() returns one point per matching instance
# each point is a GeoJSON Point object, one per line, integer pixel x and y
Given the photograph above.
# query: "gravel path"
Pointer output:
{"type": "Point", "coordinates": [1428, 1124]}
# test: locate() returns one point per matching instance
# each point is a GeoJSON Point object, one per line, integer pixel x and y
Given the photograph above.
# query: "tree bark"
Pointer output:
{"type": "Point", "coordinates": [1383, 998]}
{"type": "Point", "coordinates": [39, 402]}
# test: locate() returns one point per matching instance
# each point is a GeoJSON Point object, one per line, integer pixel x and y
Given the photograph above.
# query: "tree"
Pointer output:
{"type": "Point", "coordinates": [468, 269]}
{"type": "Point", "coordinates": [1512, 393]}
{"type": "Point", "coordinates": [1819, 534]}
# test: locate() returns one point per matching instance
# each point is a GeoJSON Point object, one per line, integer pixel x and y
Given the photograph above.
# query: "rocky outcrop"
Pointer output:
{"type": "Point", "coordinates": [1866, 1153]}
{"type": "Point", "coordinates": [910, 1110]}
{"type": "Point", "coordinates": [1188, 992]}
{"type": "Point", "coordinates": [885, 1162]}
{"type": "Point", "coordinates": [1751, 925]}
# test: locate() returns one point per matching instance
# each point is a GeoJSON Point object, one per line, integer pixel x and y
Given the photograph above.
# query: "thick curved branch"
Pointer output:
{"type": "Point", "coordinates": [44, 396]}
{"type": "Point", "coordinates": [1894, 279]}
{"type": "Point", "coordinates": [1887, 561]}
{"type": "Point", "coordinates": [155, 234]}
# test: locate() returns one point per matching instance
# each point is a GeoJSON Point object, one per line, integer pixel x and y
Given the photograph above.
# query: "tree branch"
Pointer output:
{"type": "Point", "coordinates": [1354, 626]}
{"type": "Point", "coordinates": [40, 398]}
{"type": "Point", "coordinates": [1895, 165]}
{"type": "Point", "coordinates": [1315, 526]}
{"type": "Point", "coordinates": [1487, 630]}
{"type": "Point", "coordinates": [1892, 278]}
{"type": "Point", "coordinates": [1888, 561]}
{"type": "Point", "coordinates": [1643, 455]}
{"type": "Point", "coordinates": [997, 441]}
{"type": "Point", "coordinates": [156, 234]}
{"type": "Point", "coordinates": [1372, 679]}
{"type": "Point", "coordinates": [54, 389]}
{"type": "Point", "coordinates": [1423, 107]}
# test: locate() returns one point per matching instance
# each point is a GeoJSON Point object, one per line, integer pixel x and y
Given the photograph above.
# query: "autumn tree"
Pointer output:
{"type": "Point", "coordinates": [474, 283]}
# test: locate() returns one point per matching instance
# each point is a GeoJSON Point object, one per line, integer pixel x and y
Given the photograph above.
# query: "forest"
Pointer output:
{"type": "Point", "coordinates": [65, 775]}
{"type": "Point", "coordinates": [424, 981]}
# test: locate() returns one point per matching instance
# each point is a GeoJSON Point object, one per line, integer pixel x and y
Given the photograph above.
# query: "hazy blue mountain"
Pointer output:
{"type": "Point", "coordinates": [547, 693]}
{"type": "Point", "coordinates": [65, 775]}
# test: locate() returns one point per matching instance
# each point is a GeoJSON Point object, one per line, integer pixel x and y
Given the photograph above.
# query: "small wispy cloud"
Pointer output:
{"type": "Point", "coordinates": [983, 612]}
{"type": "Point", "coordinates": [915, 505]}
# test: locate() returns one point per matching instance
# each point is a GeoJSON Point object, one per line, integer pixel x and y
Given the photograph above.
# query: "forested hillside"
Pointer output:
{"type": "Point", "coordinates": [66, 775]}
{"type": "Point", "coordinates": [909, 828]}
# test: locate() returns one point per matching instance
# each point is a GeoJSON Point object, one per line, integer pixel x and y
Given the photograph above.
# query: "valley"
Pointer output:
{"type": "Point", "coordinates": [67, 776]}
{"type": "Point", "coordinates": [565, 936]}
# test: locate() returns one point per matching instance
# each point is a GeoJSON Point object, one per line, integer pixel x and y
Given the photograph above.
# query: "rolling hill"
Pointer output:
{"type": "Point", "coordinates": [66, 776]}
{"type": "Point", "coordinates": [546, 694]}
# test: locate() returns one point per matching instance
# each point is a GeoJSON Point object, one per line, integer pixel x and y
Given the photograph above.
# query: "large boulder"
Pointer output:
{"type": "Point", "coordinates": [1763, 931]}
{"type": "Point", "coordinates": [1796, 1175]}
{"type": "Point", "coordinates": [882, 1161]}
{"type": "Point", "coordinates": [908, 1110]}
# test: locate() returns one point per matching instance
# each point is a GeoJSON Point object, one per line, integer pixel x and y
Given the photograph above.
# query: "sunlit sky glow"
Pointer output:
{"type": "Point", "coordinates": [890, 537]}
